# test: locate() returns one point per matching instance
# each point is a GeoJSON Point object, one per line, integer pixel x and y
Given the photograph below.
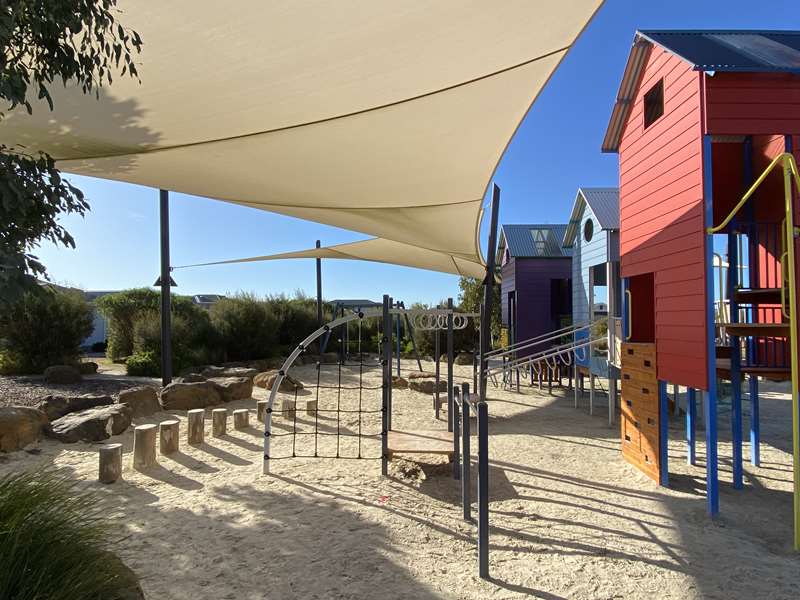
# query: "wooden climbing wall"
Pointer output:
{"type": "Point", "coordinates": [639, 422]}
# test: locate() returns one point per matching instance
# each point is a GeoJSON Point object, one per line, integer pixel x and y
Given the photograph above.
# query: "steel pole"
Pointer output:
{"type": "Point", "coordinates": [166, 320]}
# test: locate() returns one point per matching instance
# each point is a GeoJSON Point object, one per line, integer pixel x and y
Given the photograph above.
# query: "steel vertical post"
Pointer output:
{"type": "Point", "coordinates": [319, 288]}
{"type": "Point", "coordinates": [483, 490]}
{"type": "Point", "coordinates": [166, 300]}
{"type": "Point", "coordinates": [456, 435]}
{"type": "Point", "coordinates": [389, 351]}
{"type": "Point", "coordinates": [449, 364]}
{"type": "Point", "coordinates": [465, 458]}
{"type": "Point", "coordinates": [691, 426]}
{"type": "Point", "coordinates": [387, 377]}
{"type": "Point", "coordinates": [397, 331]}
{"type": "Point", "coordinates": [437, 367]}
{"type": "Point", "coordinates": [755, 425]}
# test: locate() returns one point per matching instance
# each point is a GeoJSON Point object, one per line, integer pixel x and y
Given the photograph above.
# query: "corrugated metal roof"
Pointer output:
{"type": "Point", "coordinates": [535, 240]}
{"type": "Point", "coordinates": [747, 51]}
{"type": "Point", "coordinates": [604, 202]}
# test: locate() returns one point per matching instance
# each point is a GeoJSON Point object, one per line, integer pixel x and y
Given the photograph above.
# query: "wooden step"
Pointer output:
{"type": "Point", "coordinates": [758, 296]}
{"type": "Point", "coordinates": [420, 442]}
{"type": "Point", "coordinates": [756, 329]}
{"type": "Point", "coordinates": [773, 373]}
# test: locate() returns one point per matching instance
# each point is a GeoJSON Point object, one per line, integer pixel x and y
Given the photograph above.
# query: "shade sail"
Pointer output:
{"type": "Point", "coordinates": [376, 250]}
{"type": "Point", "coordinates": [386, 118]}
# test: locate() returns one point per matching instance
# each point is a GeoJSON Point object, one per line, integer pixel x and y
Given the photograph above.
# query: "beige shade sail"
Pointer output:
{"type": "Point", "coordinates": [375, 250]}
{"type": "Point", "coordinates": [386, 118]}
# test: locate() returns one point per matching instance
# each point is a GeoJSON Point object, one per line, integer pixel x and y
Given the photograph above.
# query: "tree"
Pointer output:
{"type": "Point", "coordinates": [42, 43]}
{"type": "Point", "coordinates": [470, 298]}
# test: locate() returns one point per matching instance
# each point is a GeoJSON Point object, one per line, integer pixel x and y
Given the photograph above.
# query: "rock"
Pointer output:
{"type": "Point", "coordinates": [56, 407]}
{"type": "Point", "coordinates": [329, 358]}
{"type": "Point", "coordinates": [20, 426]}
{"type": "Point", "coordinates": [143, 401]}
{"type": "Point", "coordinates": [186, 396]}
{"type": "Point", "coordinates": [62, 374]}
{"type": "Point", "coordinates": [87, 368]}
{"type": "Point", "coordinates": [399, 383]}
{"type": "Point", "coordinates": [463, 358]}
{"type": "Point", "coordinates": [233, 388]}
{"type": "Point", "coordinates": [92, 425]}
{"type": "Point", "coordinates": [426, 385]}
{"type": "Point", "coordinates": [421, 375]}
{"type": "Point", "coordinates": [213, 372]}
{"type": "Point", "coordinates": [267, 379]}
{"type": "Point", "coordinates": [190, 378]}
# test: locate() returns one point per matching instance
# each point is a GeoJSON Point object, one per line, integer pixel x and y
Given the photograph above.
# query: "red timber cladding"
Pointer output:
{"type": "Point", "coordinates": [752, 103]}
{"type": "Point", "coordinates": [661, 215]}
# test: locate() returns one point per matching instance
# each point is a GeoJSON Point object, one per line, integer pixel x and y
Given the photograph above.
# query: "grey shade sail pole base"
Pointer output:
{"type": "Point", "coordinates": [166, 301]}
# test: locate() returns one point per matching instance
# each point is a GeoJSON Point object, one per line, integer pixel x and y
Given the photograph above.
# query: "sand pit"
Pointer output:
{"type": "Point", "coordinates": [570, 519]}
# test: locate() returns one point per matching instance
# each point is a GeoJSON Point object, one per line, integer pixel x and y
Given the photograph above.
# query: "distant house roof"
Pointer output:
{"type": "Point", "coordinates": [604, 203]}
{"type": "Point", "coordinates": [355, 303]}
{"type": "Point", "coordinates": [535, 240]}
{"type": "Point", "coordinates": [745, 51]}
{"type": "Point", "coordinates": [206, 298]}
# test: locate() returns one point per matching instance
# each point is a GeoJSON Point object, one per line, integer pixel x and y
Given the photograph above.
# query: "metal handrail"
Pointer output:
{"type": "Point", "coordinates": [545, 337]}
{"type": "Point", "coordinates": [790, 172]}
{"type": "Point", "coordinates": [562, 331]}
{"type": "Point", "coordinates": [544, 354]}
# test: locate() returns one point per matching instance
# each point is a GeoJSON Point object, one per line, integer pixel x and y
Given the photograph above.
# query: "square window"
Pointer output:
{"type": "Point", "coordinates": [654, 103]}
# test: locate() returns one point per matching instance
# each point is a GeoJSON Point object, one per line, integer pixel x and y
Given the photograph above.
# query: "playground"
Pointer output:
{"type": "Point", "coordinates": [569, 518]}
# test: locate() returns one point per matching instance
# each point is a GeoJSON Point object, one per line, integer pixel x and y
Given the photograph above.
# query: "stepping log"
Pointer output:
{"type": "Point", "coordinates": [195, 432]}
{"type": "Point", "coordinates": [311, 407]}
{"type": "Point", "coordinates": [219, 421]}
{"type": "Point", "coordinates": [110, 463]}
{"type": "Point", "coordinates": [144, 446]}
{"type": "Point", "coordinates": [169, 436]}
{"type": "Point", "coordinates": [288, 409]}
{"type": "Point", "coordinates": [261, 409]}
{"type": "Point", "coordinates": [241, 418]}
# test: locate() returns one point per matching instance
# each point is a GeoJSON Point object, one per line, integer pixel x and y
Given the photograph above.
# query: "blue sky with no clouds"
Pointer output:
{"type": "Point", "coordinates": [556, 150]}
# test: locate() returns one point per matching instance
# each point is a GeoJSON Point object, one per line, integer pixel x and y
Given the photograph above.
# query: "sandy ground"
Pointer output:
{"type": "Point", "coordinates": [569, 518]}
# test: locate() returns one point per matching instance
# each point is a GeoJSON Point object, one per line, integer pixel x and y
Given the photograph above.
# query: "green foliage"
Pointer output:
{"type": "Point", "coordinates": [54, 542]}
{"type": "Point", "coordinates": [44, 327]}
{"type": "Point", "coordinates": [470, 298]}
{"type": "Point", "coordinates": [464, 340]}
{"type": "Point", "coordinates": [193, 342]}
{"type": "Point", "coordinates": [247, 327]}
{"type": "Point", "coordinates": [45, 42]}
{"type": "Point", "coordinates": [143, 364]}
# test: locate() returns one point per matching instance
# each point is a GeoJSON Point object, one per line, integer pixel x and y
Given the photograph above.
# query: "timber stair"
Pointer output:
{"type": "Point", "coordinates": [757, 295]}
{"type": "Point", "coordinates": [773, 373]}
{"type": "Point", "coordinates": [756, 329]}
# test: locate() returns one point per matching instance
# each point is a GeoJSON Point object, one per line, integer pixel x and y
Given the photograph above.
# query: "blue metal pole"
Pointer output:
{"type": "Point", "coordinates": [710, 404]}
{"type": "Point", "coordinates": [465, 459]}
{"type": "Point", "coordinates": [456, 435]}
{"type": "Point", "coordinates": [691, 421]}
{"type": "Point", "coordinates": [483, 490]}
{"type": "Point", "coordinates": [663, 434]}
{"type": "Point", "coordinates": [755, 426]}
{"type": "Point", "coordinates": [736, 379]}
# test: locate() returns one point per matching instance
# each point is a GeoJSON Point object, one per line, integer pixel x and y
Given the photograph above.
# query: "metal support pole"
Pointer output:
{"type": "Point", "coordinates": [735, 346]}
{"type": "Point", "coordinates": [397, 330]}
{"type": "Point", "coordinates": [483, 490]}
{"type": "Point", "coordinates": [437, 357]}
{"type": "Point", "coordinates": [591, 389]}
{"type": "Point", "coordinates": [166, 301]}
{"type": "Point", "coordinates": [319, 289]}
{"type": "Point", "coordinates": [691, 433]}
{"type": "Point", "coordinates": [387, 377]}
{"type": "Point", "coordinates": [710, 405]}
{"type": "Point", "coordinates": [456, 435]}
{"type": "Point", "coordinates": [488, 292]}
{"type": "Point", "coordinates": [450, 364]}
{"type": "Point", "coordinates": [465, 459]}
{"type": "Point", "coordinates": [663, 434]}
{"type": "Point", "coordinates": [389, 352]}
{"type": "Point", "coordinates": [755, 427]}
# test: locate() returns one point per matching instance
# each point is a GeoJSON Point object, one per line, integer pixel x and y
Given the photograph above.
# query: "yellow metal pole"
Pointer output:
{"type": "Point", "coordinates": [789, 169]}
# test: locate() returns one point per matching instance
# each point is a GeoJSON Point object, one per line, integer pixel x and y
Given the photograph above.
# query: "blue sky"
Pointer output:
{"type": "Point", "coordinates": [556, 150]}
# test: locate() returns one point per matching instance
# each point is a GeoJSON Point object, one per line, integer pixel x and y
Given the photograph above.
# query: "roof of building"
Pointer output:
{"type": "Point", "coordinates": [747, 51]}
{"type": "Point", "coordinates": [355, 303]}
{"type": "Point", "coordinates": [604, 202]}
{"type": "Point", "coordinates": [534, 240]}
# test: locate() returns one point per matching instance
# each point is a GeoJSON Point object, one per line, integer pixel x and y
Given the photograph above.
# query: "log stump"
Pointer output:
{"type": "Point", "coordinates": [261, 409]}
{"type": "Point", "coordinates": [241, 418]}
{"type": "Point", "coordinates": [311, 407]}
{"type": "Point", "coordinates": [219, 421]}
{"type": "Point", "coordinates": [168, 439]}
{"type": "Point", "coordinates": [144, 446]}
{"type": "Point", "coordinates": [288, 409]}
{"type": "Point", "coordinates": [110, 463]}
{"type": "Point", "coordinates": [195, 432]}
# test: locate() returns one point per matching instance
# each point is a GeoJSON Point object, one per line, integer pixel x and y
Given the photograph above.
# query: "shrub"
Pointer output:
{"type": "Point", "coordinates": [144, 364]}
{"type": "Point", "coordinates": [44, 327]}
{"type": "Point", "coordinates": [247, 327]}
{"type": "Point", "coordinates": [54, 542]}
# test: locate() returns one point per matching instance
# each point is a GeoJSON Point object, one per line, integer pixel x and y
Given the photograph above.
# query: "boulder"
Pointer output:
{"type": "Point", "coordinates": [427, 385]}
{"type": "Point", "coordinates": [233, 388]}
{"type": "Point", "coordinates": [421, 375]}
{"type": "Point", "coordinates": [213, 372]}
{"type": "Point", "coordinates": [87, 368]}
{"type": "Point", "coordinates": [186, 396]}
{"type": "Point", "coordinates": [399, 383]}
{"type": "Point", "coordinates": [267, 379]}
{"type": "Point", "coordinates": [56, 407]}
{"type": "Point", "coordinates": [20, 426]}
{"type": "Point", "coordinates": [92, 425]}
{"type": "Point", "coordinates": [463, 358]}
{"type": "Point", "coordinates": [329, 358]}
{"type": "Point", "coordinates": [190, 378]}
{"type": "Point", "coordinates": [62, 374]}
{"type": "Point", "coordinates": [143, 401]}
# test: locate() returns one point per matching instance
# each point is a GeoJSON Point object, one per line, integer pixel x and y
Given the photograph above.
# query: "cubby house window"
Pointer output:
{"type": "Point", "coordinates": [654, 103]}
